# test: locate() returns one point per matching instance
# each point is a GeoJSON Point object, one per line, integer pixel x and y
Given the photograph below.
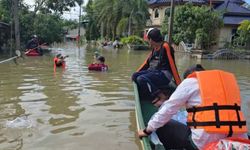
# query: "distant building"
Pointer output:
{"type": "Point", "coordinates": [233, 14]}
{"type": "Point", "coordinates": [72, 35]}
{"type": "Point", "coordinates": [4, 33]}
{"type": "Point", "coordinates": [159, 9]}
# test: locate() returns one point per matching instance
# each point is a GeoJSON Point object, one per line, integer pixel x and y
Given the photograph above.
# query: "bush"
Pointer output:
{"type": "Point", "coordinates": [135, 40]}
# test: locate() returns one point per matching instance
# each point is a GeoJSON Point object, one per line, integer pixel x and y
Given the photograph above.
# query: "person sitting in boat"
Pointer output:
{"type": "Point", "coordinates": [100, 65]}
{"type": "Point", "coordinates": [34, 45]}
{"type": "Point", "coordinates": [158, 69]}
{"type": "Point", "coordinates": [59, 60]}
{"type": "Point", "coordinates": [212, 100]}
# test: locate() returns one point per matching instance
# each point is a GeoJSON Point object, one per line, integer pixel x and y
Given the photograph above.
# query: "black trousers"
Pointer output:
{"type": "Point", "coordinates": [155, 78]}
{"type": "Point", "coordinates": [175, 135]}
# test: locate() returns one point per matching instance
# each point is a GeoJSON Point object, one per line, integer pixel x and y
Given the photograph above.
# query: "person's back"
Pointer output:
{"type": "Point", "coordinates": [210, 98]}
{"type": "Point", "coordinates": [219, 114]}
{"type": "Point", "coordinates": [33, 43]}
{"type": "Point", "coordinates": [99, 65]}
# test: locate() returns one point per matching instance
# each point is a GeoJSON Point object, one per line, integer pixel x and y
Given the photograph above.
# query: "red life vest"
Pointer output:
{"type": "Point", "coordinates": [98, 67]}
{"type": "Point", "coordinates": [219, 111]}
{"type": "Point", "coordinates": [62, 64]}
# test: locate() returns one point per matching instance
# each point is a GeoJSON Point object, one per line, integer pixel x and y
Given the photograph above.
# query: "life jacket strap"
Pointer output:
{"type": "Point", "coordinates": [217, 121]}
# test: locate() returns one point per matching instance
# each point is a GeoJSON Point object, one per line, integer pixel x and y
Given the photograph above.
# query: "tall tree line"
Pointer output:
{"type": "Point", "coordinates": [45, 20]}
{"type": "Point", "coordinates": [115, 18]}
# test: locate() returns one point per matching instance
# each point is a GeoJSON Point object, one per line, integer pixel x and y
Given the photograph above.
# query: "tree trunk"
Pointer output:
{"type": "Point", "coordinates": [16, 21]}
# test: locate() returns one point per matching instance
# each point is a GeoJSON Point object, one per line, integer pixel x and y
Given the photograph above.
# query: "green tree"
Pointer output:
{"type": "Point", "coordinates": [92, 29]}
{"type": "Point", "coordinates": [118, 17]}
{"type": "Point", "coordinates": [55, 6]}
{"type": "Point", "coordinates": [45, 20]}
{"type": "Point", "coordinates": [5, 11]}
{"type": "Point", "coordinates": [244, 33]}
{"type": "Point", "coordinates": [196, 23]}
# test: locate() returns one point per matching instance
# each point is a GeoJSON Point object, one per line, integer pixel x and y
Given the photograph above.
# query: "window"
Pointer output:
{"type": "Point", "coordinates": [167, 12]}
{"type": "Point", "coordinates": [156, 13]}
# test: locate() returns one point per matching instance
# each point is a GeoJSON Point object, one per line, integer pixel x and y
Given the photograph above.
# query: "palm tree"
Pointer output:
{"type": "Point", "coordinates": [122, 16]}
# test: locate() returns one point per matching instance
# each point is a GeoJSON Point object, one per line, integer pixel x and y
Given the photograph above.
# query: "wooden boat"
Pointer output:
{"type": "Point", "coordinates": [144, 110]}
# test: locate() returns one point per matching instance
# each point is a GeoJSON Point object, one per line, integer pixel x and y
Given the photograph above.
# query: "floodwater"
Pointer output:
{"type": "Point", "coordinates": [76, 109]}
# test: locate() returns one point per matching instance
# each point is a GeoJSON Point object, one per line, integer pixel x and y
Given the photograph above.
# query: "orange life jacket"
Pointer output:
{"type": "Point", "coordinates": [58, 65]}
{"type": "Point", "coordinates": [171, 62]}
{"type": "Point", "coordinates": [219, 111]}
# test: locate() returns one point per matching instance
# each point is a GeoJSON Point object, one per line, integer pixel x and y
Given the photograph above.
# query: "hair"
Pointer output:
{"type": "Point", "coordinates": [155, 35]}
{"type": "Point", "coordinates": [193, 68]}
{"type": "Point", "coordinates": [101, 59]}
{"type": "Point", "coordinates": [58, 55]}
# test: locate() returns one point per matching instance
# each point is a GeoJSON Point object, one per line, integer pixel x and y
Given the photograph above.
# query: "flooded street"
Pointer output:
{"type": "Point", "coordinates": [75, 109]}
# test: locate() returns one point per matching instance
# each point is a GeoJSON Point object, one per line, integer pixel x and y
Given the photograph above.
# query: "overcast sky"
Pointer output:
{"type": "Point", "coordinates": [73, 14]}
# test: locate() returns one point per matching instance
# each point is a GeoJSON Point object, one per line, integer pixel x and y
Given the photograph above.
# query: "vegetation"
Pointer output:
{"type": "Point", "coordinates": [135, 40]}
{"type": "Point", "coordinates": [114, 18]}
{"type": "Point", "coordinates": [243, 31]}
{"type": "Point", "coordinates": [45, 21]}
{"type": "Point", "coordinates": [195, 24]}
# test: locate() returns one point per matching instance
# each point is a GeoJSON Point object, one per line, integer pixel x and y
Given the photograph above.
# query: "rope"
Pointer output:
{"type": "Point", "coordinates": [8, 59]}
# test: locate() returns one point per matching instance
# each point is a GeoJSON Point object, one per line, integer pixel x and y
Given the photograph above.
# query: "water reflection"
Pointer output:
{"type": "Point", "coordinates": [76, 108]}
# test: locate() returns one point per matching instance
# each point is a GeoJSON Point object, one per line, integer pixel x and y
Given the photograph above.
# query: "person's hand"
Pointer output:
{"type": "Point", "coordinates": [133, 77]}
{"type": "Point", "coordinates": [141, 134]}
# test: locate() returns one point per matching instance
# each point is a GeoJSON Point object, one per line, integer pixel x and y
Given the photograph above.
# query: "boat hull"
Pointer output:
{"type": "Point", "coordinates": [143, 111]}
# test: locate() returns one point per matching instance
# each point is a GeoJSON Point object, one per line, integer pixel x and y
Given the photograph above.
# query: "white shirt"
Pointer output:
{"type": "Point", "coordinates": [186, 95]}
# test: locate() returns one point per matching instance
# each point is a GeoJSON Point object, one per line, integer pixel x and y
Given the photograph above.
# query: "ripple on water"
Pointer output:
{"type": "Point", "coordinates": [31, 87]}
{"type": "Point", "coordinates": [31, 97]}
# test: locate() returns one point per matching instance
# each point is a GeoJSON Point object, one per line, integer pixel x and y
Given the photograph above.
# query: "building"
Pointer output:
{"type": "Point", "coordinates": [4, 33]}
{"type": "Point", "coordinates": [233, 14]}
{"type": "Point", "coordinates": [159, 9]}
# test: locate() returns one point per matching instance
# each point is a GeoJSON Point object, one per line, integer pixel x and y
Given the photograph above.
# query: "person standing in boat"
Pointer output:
{"type": "Point", "coordinates": [212, 100]}
{"type": "Point", "coordinates": [34, 44]}
{"type": "Point", "coordinates": [158, 69]}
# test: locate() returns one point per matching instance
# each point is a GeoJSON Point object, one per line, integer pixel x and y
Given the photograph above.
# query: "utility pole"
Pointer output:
{"type": "Point", "coordinates": [129, 22]}
{"type": "Point", "coordinates": [79, 26]}
{"type": "Point", "coordinates": [170, 25]}
{"type": "Point", "coordinates": [16, 22]}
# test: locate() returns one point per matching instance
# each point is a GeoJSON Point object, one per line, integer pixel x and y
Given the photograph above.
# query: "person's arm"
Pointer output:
{"type": "Point", "coordinates": [184, 92]}
{"type": "Point", "coordinates": [145, 64]}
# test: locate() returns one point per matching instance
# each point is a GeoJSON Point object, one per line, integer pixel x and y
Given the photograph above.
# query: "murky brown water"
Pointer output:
{"type": "Point", "coordinates": [76, 109]}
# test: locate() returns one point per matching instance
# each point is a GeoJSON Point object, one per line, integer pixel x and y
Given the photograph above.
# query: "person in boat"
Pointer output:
{"type": "Point", "coordinates": [158, 69]}
{"type": "Point", "coordinates": [100, 65]}
{"type": "Point", "coordinates": [34, 44]}
{"type": "Point", "coordinates": [212, 100]}
{"type": "Point", "coordinates": [59, 60]}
